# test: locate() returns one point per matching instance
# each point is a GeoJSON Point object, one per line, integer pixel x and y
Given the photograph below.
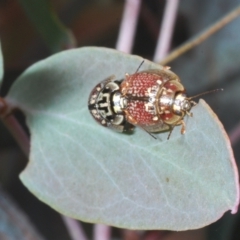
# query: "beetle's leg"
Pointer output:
{"type": "Point", "coordinates": [124, 88]}
{"type": "Point", "coordinates": [193, 102]}
{"type": "Point", "coordinates": [133, 121]}
{"type": "Point", "coordinates": [183, 129]}
{"type": "Point", "coordinates": [147, 132]}
{"type": "Point", "coordinates": [170, 132]}
{"type": "Point", "coordinates": [166, 67]}
{"type": "Point", "coordinates": [129, 118]}
{"type": "Point", "coordinates": [190, 114]}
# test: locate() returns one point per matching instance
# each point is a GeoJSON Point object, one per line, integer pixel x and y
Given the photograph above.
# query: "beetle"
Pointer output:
{"type": "Point", "coordinates": [106, 105]}
{"type": "Point", "coordinates": [154, 100]}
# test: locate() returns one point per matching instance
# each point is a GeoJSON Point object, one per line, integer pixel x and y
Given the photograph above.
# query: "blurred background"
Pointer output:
{"type": "Point", "coordinates": [33, 30]}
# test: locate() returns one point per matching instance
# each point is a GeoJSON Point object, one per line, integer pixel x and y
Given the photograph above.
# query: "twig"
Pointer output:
{"type": "Point", "coordinates": [128, 26]}
{"type": "Point", "coordinates": [17, 132]}
{"type": "Point", "coordinates": [74, 228]}
{"type": "Point", "coordinates": [165, 35]}
{"type": "Point", "coordinates": [101, 232]}
{"type": "Point", "coordinates": [202, 36]}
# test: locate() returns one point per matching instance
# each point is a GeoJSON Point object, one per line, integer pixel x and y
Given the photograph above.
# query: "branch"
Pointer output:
{"type": "Point", "coordinates": [202, 36]}
{"type": "Point", "coordinates": [101, 232]}
{"type": "Point", "coordinates": [165, 35]}
{"type": "Point", "coordinates": [17, 132]}
{"type": "Point", "coordinates": [128, 26]}
{"type": "Point", "coordinates": [74, 228]}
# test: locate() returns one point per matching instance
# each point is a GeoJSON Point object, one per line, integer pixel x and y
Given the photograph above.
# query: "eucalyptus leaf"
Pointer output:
{"type": "Point", "coordinates": [91, 173]}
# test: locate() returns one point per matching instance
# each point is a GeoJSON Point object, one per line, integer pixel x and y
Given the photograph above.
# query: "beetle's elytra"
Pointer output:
{"type": "Point", "coordinates": [154, 100]}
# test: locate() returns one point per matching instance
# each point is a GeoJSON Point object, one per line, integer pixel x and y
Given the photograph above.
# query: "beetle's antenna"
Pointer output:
{"type": "Point", "coordinates": [170, 132]}
{"type": "Point", "coordinates": [140, 66]}
{"type": "Point", "coordinates": [204, 93]}
{"type": "Point", "coordinates": [141, 127]}
{"type": "Point", "coordinates": [147, 131]}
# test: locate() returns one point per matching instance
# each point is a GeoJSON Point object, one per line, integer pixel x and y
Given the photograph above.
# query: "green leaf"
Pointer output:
{"type": "Point", "coordinates": [47, 23]}
{"type": "Point", "coordinates": [1, 65]}
{"type": "Point", "coordinates": [91, 173]}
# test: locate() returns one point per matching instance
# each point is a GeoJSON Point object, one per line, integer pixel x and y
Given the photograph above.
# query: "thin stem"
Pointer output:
{"type": "Point", "coordinates": [74, 228]}
{"type": "Point", "coordinates": [128, 26]}
{"type": "Point", "coordinates": [18, 133]}
{"type": "Point", "coordinates": [165, 35]}
{"type": "Point", "coordinates": [101, 232]}
{"type": "Point", "coordinates": [202, 36]}
{"type": "Point", "coordinates": [234, 134]}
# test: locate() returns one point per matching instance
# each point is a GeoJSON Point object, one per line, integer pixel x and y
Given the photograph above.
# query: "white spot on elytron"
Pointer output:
{"type": "Point", "coordinates": [159, 82]}
{"type": "Point", "coordinates": [98, 89]}
{"type": "Point", "coordinates": [149, 90]}
{"type": "Point", "coordinates": [167, 111]}
{"type": "Point", "coordinates": [152, 99]}
{"type": "Point", "coordinates": [170, 90]}
{"type": "Point", "coordinates": [103, 105]}
{"type": "Point", "coordinates": [150, 108]}
{"type": "Point", "coordinates": [95, 114]}
{"type": "Point", "coordinates": [164, 92]}
{"type": "Point", "coordinates": [92, 101]}
{"type": "Point", "coordinates": [155, 118]}
{"type": "Point", "coordinates": [103, 122]}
